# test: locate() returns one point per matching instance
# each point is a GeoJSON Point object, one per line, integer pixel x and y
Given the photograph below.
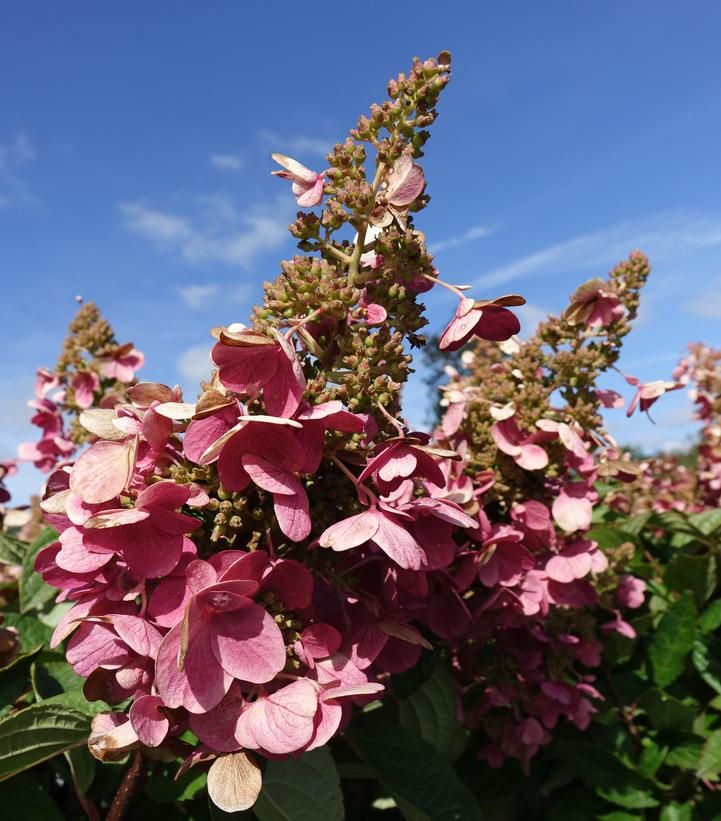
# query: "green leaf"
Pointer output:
{"type": "Point", "coordinates": [55, 682]}
{"type": "Point", "coordinates": [37, 733]}
{"type": "Point", "coordinates": [24, 799]}
{"type": "Point", "coordinates": [82, 767]}
{"type": "Point", "coordinates": [422, 782]}
{"type": "Point", "coordinates": [672, 641]}
{"type": "Point", "coordinates": [602, 771]}
{"type": "Point", "coordinates": [710, 619]}
{"type": "Point", "coordinates": [636, 524]}
{"type": "Point", "coordinates": [163, 788]}
{"type": "Point", "coordinates": [15, 677]}
{"type": "Point", "coordinates": [708, 521]}
{"type": "Point", "coordinates": [709, 763]}
{"type": "Point", "coordinates": [431, 713]}
{"type": "Point", "coordinates": [686, 752]}
{"type": "Point", "coordinates": [706, 659]}
{"type": "Point", "coordinates": [34, 593]}
{"type": "Point", "coordinates": [12, 550]}
{"type": "Point", "coordinates": [676, 812]}
{"type": "Point", "coordinates": [651, 758]}
{"type": "Point", "coordinates": [666, 712]}
{"type": "Point", "coordinates": [31, 632]}
{"type": "Point", "coordinates": [217, 814]}
{"type": "Point", "coordinates": [301, 789]}
{"type": "Point", "coordinates": [695, 573]}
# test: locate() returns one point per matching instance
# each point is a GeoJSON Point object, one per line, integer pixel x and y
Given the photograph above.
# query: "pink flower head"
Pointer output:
{"type": "Point", "coordinates": [630, 591]}
{"type": "Point", "coordinates": [84, 385]}
{"type": "Point", "coordinates": [594, 304]}
{"type": "Point", "coordinates": [523, 448]}
{"type": "Point", "coordinates": [249, 361]}
{"type": "Point", "coordinates": [307, 184]}
{"type": "Point", "coordinates": [224, 635]}
{"type": "Point", "coordinates": [381, 528]}
{"type": "Point", "coordinates": [401, 458]}
{"type": "Point", "coordinates": [404, 182]}
{"type": "Point", "coordinates": [264, 450]}
{"type": "Point", "coordinates": [122, 364]}
{"type": "Point", "coordinates": [576, 561]}
{"type": "Point", "coordinates": [609, 399]}
{"type": "Point", "coordinates": [503, 559]}
{"type": "Point", "coordinates": [648, 392]}
{"type": "Point", "coordinates": [45, 381]}
{"type": "Point", "coordinates": [149, 536]}
{"type": "Point", "coordinates": [573, 508]}
{"type": "Point", "coordinates": [487, 318]}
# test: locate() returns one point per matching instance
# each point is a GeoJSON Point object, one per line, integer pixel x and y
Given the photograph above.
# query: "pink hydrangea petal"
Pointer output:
{"type": "Point", "coordinates": [167, 602]}
{"type": "Point", "coordinates": [293, 515]}
{"type": "Point", "coordinates": [103, 471]}
{"type": "Point", "coordinates": [320, 640]}
{"type": "Point", "coordinates": [216, 728]}
{"type": "Point", "coordinates": [248, 644]}
{"type": "Point", "coordinates": [292, 582]}
{"type": "Point", "coordinates": [202, 682]}
{"type": "Point", "coordinates": [268, 476]}
{"type": "Point", "coordinates": [149, 724]}
{"type": "Point", "coordinates": [350, 532]}
{"type": "Point", "coordinates": [396, 542]}
{"type": "Point", "coordinates": [96, 645]}
{"type": "Point", "coordinates": [532, 457]}
{"type": "Point", "coordinates": [282, 722]}
{"type": "Point", "coordinates": [138, 634]}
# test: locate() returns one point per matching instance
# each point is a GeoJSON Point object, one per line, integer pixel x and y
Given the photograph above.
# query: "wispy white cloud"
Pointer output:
{"type": "Point", "coordinates": [293, 145]}
{"type": "Point", "coordinates": [13, 156]}
{"type": "Point", "coordinates": [219, 232]}
{"type": "Point", "coordinates": [198, 297]}
{"type": "Point", "coordinates": [226, 162]}
{"type": "Point", "coordinates": [707, 304]}
{"type": "Point", "coordinates": [476, 232]}
{"type": "Point", "coordinates": [663, 235]}
{"type": "Point", "coordinates": [194, 364]}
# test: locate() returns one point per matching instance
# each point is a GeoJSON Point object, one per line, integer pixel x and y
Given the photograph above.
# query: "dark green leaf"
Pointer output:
{"type": "Point", "coordinates": [672, 641]}
{"type": "Point", "coordinates": [82, 766]}
{"type": "Point", "coordinates": [31, 632]}
{"type": "Point", "coordinates": [431, 713]}
{"type": "Point", "coordinates": [423, 783]}
{"type": "Point", "coordinates": [685, 752]}
{"type": "Point", "coordinates": [708, 521]}
{"type": "Point", "coordinates": [12, 550]}
{"type": "Point", "coordinates": [636, 524]}
{"type": "Point", "coordinates": [163, 788]}
{"type": "Point", "coordinates": [55, 682]}
{"type": "Point", "coordinates": [709, 763]}
{"type": "Point", "coordinates": [598, 768]}
{"type": "Point", "coordinates": [15, 677]}
{"type": "Point", "coordinates": [34, 593]}
{"type": "Point", "coordinates": [666, 712]}
{"type": "Point", "coordinates": [37, 733]}
{"type": "Point", "coordinates": [24, 799]}
{"type": "Point", "coordinates": [676, 812]}
{"type": "Point", "coordinates": [695, 573]}
{"type": "Point", "coordinates": [651, 758]}
{"type": "Point", "coordinates": [301, 789]}
{"type": "Point", "coordinates": [706, 659]}
{"type": "Point", "coordinates": [710, 619]}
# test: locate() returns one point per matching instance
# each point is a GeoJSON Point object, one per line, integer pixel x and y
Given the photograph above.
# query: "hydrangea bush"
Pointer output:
{"type": "Point", "coordinates": [276, 591]}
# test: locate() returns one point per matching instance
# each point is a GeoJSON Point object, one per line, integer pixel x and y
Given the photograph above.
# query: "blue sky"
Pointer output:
{"type": "Point", "coordinates": [134, 169]}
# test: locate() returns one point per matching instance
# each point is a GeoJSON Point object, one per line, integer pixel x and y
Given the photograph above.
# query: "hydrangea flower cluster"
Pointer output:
{"type": "Point", "coordinates": [251, 565]}
{"type": "Point", "coordinates": [93, 370]}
